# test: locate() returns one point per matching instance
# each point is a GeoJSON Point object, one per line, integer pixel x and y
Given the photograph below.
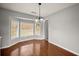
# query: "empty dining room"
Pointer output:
{"type": "Point", "coordinates": [39, 29]}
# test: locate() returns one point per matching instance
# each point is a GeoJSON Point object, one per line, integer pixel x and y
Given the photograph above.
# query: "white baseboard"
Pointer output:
{"type": "Point", "coordinates": [63, 47]}
{"type": "Point", "coordinates": [48, 41]}
{"type": "Point", "coordinates": [11, 44]}
{"type": "Point", "coordinates": [27, 39]}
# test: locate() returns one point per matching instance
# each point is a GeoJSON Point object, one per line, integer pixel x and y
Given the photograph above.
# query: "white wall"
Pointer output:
{"type": "Point", "coordinates": [64, 28]}
{"type": "Point", "coordinates": [46, 29]}
{"type": "Point", "coordinates": [4, 33]}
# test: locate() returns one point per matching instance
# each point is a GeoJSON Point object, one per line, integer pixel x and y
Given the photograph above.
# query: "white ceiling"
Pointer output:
{"type": "Point", "coordinates": [32, 8]}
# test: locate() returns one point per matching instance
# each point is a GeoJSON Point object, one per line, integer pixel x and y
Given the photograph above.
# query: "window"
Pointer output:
{"type": "Point", "coordinates": [26, 29]}
{"type": "Point", "coordinates": [21, 29]}
{"type": "Point", "coordinates": [14, 29]}
{"type": "Point", "coordinates": [37, 28]}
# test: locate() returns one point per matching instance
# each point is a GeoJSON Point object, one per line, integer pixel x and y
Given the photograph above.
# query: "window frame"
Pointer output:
{"type": "Point", "coordinates": [19, 21]}
{"type": "Point", "coordinates": [27, 21]}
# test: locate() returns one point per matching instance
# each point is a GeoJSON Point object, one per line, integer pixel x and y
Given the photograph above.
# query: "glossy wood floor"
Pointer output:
{"type": "Point", "coordinates": [35, 48]}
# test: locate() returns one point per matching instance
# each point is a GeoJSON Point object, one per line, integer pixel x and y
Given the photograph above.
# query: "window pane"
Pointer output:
{"type": "Point", "coordinates": [26, 29]}
{"type": "Point", "coordinates": [37, 28]}
{"type": "Point", "coordinates": [14, 29]}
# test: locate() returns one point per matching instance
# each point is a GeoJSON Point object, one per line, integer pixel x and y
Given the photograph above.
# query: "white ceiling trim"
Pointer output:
{"type": "Point", "coordinates": [32, 8]}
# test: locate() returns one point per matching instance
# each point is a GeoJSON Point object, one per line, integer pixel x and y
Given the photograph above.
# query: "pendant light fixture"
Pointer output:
{"type": "Point", "coordinates": [38, 21]}
{"type": "Point", "coordinates": [39, 16]}
{"type": "Point", "coordinates": [39, 11]}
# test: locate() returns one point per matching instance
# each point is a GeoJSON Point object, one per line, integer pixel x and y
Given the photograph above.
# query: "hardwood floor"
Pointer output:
{"type": "Point", "coordinates": [35, 48]}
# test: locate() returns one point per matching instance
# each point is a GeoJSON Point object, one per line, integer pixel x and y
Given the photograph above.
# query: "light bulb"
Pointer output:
{"type": "Point", "coordinates": [36, 20]}
{"type": "Point", "coordinates": [41, 19]}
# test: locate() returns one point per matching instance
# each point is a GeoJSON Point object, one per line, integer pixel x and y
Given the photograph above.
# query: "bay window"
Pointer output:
{"type": "Point", "coordinates": [24, 28]}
